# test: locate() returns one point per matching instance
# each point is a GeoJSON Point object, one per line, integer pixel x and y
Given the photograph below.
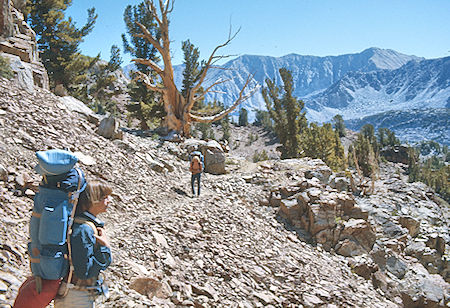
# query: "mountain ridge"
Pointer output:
{"type": "Point", "coordinates": [356, 85]}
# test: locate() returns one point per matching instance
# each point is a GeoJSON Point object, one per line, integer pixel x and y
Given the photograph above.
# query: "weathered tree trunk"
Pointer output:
{"type": "Point", "coordinates": [178, 108]}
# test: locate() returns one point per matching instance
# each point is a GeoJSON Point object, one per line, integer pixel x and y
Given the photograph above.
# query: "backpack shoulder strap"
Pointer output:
{"type": "Point", "coordinates": [81, 221]}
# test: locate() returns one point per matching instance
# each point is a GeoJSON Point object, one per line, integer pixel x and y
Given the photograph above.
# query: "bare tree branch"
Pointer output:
{"type": "Point", "coordinates": [224, 113]}
{"type": "Point", "coordinates": [215, 84]}
{"type": "Point", "coordinates": [148, 83]}
{"type": "Point", "coordinates": [169, 10]}
{"type": "Point", "coordinates": [198, 97]}
{"type": "Point", "coordinates": [211, 58]}
{"type": "Point", "coordinates": [149, 37]}
{"type": "Point", "coordinates": [154, 12]}
{"type": "Point", "coordinates": [221, 68]}
{"type": "Point", "coordinates": [150, 63]}
{"type": "Point", "coordinates": [168, 7]}
{"type": "Point", "coordinates": [208, 90]}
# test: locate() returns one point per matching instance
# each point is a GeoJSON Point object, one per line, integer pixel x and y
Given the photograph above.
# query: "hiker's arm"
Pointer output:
{"type": "Point", "coordinates": [102, 238]}
{"type": "Point", "coordinates": [88, 260]}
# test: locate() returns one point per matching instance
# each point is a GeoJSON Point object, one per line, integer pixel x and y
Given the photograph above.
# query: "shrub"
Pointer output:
{"type": "Point", "coordinates": [259, 156]}
{"type": "Point", "coordinates": [5, 68]}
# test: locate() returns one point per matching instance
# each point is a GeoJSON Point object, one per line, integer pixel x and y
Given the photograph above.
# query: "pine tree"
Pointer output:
{"type": "Point", "coordinates": [323, 142]}
{"type": "Point", "coordinates": [386, 137]}
{"type": "Point", "coordinates": [286, 113]}
{"type": "Point", "coordinates": [59, 40]}
{"type": "Point", "coordinates": [243, 117]}
{"type": "Point", "coordinates": [365, 154]}
{"type": "Point", "coordinates": [339, 125]}
{"type": "Point", "coordinates": [382, 137]}
{"type": "Point", "coordinates": [192, 69]}
{"type": "Point", "coordinates": [103, 82]}
{"type": "Point", "coordinates": [134, 44]}
{"type": "Point", "coordinates": [115, 60]}
{"type": "Point", "coordinates": [413, 165]}
{"type": "Point", "coordinates": [263, 119]}
{"type": "Point", "coordinates": [225, 124]}
{"type": "Point", "coordinates": [146, 106]}
{"type": "Point", "coordinates": [391, 139]}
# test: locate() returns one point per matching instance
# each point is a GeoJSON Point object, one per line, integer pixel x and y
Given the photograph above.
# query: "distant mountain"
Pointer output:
{"type": "Point", "coordinates": [415, 85]}
{"type": "Point", "coordinates": [311, 74]}
{"type": "Point", "coordinates": [411, 125]}
{"type": "Point", "coordinates": [372, 82]}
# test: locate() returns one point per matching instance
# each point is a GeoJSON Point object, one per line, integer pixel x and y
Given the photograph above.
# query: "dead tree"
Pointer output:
{"type": "Point", "coordinates": [178, 108]}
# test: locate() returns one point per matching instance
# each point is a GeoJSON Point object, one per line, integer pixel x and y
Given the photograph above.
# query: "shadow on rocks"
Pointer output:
{"type": "Point", "coordinates": [303, 235]}
{"type": "Point", "coordinates": [179, 191]}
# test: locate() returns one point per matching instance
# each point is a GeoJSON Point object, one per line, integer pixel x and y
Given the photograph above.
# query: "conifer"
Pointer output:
{"type": "Point", "coordinates": [339, 125]}
{"type": "Point", "coordinates": [59, 40]}
{"type": "Point", "coordinates": [286, 113]}
{"type": "Point", "coordinates": [243, 117]}
{"type": "Point", "coordinates": [146, 105]}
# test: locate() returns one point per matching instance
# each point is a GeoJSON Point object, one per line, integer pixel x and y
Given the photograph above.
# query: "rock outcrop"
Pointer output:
{"type": "Point", "coordinates": [397, 237]}
{"type": "Point", "coordinates": [18, 44]}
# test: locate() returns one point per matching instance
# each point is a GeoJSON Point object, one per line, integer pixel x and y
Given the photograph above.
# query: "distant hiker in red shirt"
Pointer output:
{"type": "Point", "coordinates": [196, 169]}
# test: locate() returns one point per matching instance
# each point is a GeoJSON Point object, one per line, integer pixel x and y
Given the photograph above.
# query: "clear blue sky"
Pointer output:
{"type": "Point", "coordinates": [276, 28]}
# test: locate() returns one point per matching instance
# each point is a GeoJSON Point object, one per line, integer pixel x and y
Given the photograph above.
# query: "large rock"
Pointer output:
{"type": "Point", "coordinates": [214, 157]}
{"type": "Point", "coordinates": [150, 287]}
{"type": "Point", "coordinates": [396, 154]}
{"type": "Point", "coordinates": [6, 24]}
{"type": "Point", "coordinates": [396, 265]}
{"type": "Point", "coordinates": [322, 172]}
{"type": "Point", "coordinates": [23, 72]}
{"type": "Point", "coordinates": [18, 44]}
{"type": "Point", "coordinates": [109, 128]}
{"type": "Point", "coordinates": [420, 289]}
{"type": "Point", "coordinates": [3, 173]}
{"type": "Point", "coordinates": [290, 209]}
{"type": "Point", "coordinates": [349, 248]}
{"type": "Point", "coordinates": [73, 104]}
{"type": "Point", "coordinates": [321, 216]}
{"type": "Point", "coordinates": [413, 225]}
{"type": "Point", "coordinates": [361, 231]}
{"type": "Point", "coordinates": [212, 152]}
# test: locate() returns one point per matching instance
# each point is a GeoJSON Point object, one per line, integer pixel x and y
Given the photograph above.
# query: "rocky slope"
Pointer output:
{"type": "Point", "coordinates": [230, 247]}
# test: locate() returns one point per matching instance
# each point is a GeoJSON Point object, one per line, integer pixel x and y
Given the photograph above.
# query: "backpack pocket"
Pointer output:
{"type": "Point", "coordinates": [53, 264]}
{"type": "Point", "coordinates": [53, 224]}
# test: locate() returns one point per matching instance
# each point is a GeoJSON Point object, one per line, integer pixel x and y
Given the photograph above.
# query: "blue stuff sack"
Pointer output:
{"type": "Point", "coordinates": [50, 220]}
{"type": "Point", "coordinates": [55, 162]}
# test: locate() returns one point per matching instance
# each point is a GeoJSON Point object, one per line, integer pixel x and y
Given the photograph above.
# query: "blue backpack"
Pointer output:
{"type": "Point", "coordinates": [199, 154]}
{"type": "Point", "coordinates": [53, 212]}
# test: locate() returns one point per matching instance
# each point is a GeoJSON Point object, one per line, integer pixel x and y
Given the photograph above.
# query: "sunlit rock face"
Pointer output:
{"type": "Point", "coordinates": [18, 44]}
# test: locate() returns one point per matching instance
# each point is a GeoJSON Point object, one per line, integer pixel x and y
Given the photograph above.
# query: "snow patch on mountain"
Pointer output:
{"type": "Point", "coordinates": [416, 85]}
